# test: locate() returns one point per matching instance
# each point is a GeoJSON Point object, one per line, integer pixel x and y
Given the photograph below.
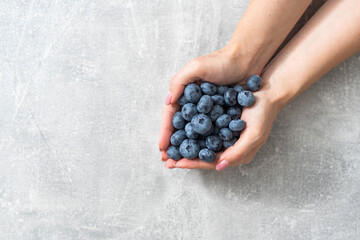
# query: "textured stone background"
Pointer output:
{"type": "Point", "coordinates": [82, 85]}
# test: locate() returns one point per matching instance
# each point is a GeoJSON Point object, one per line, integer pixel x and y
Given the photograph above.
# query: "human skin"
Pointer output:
{"type": "Point", "coordinates": [330, 37]}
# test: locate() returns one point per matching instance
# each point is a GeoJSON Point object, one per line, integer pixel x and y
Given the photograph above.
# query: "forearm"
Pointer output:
{"type": "Point", "coordinates": [263, 28]}
{"type": "Point", "coordinates": [329, 38]}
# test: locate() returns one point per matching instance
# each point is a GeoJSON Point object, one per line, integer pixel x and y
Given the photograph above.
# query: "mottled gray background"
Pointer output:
{"type": "Point", "coordinates": [82, 85]}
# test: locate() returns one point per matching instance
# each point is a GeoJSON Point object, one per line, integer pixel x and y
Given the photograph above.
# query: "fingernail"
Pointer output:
{"type": "Point", "coordinates": [222, 165]}
{"type": "Point", "coordinates": [168, 99]}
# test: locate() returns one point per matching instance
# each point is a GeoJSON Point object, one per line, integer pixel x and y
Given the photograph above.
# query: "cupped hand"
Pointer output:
{"type": "Point", "coordinates": [221, 68]}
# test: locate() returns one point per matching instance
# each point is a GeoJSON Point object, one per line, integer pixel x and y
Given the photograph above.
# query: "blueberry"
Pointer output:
{"type": "Point", "coordinates": [254, 83]}
{"type": "Point", "coordinates": [192, 93]}
{"type": "Point", "coordinates": [177, 137]}
{"type": "Point", "coordinates": [207, 155]}
{"type": "Point", "coordinates": [189, 148]}
{"type": "Point", "coordinates": [225, 134]}
{"type": "Point", "coordinates": [205, 104]}
{"type": "Point", "coordinates": [221, 89]}
{"type": "Point", "coordinates": [208, 88]}
{"type": "Point", "coordinates": [189, 131]}
{"type": "Point", "coordinates": [214, 143]}
{"type": "Point", "coordinates": [201, 123]}
{"type": "Point", "coordinates": [215, 112]}
{"type": "Point", "coordinates": [229, 143]}
{"type": "Point", "coordinates": [178, 121]}
{"type": "Point", "coordinates": [236, 133]}
{"type": "Point", "coordinates": [208, 133]}
{"type": "Point", "coordinates": [218, 99]}
{"type": "Point", "coordinates": [173, 153]}
{"type": "Point", "coordinates": [234, 112]}
{"type": "Point", "coordinates": [223, 121]}
{"type": "Point", "coordinates": [238, 88]}
{"type": "Point", "coordinates": [202, 143]}
{"type": "Point", "coordinates": [188, 111]}
{"type": "Point", "coordinates": [182, 100]}
{"type": "Point", "coordinates": [237, 125]}
{"type": "Point", "coordinates": [246, 98]}
{"type": "Point", "coordinates": [230, 97]}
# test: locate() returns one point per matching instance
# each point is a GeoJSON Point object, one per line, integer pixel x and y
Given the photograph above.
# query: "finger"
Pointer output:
{"type": "Point", "coordinates": [167, 128]}
{"type": "Point", "coordinates": [193, 71]}
{"type": "Point", "coordinates": [170, 163]}
{"type": "Point", "coordinates": [164, 156]}
{"type": "Point", "coordinates": [236, 154]}
{"type": "Point", "coordinates": [197, 163]}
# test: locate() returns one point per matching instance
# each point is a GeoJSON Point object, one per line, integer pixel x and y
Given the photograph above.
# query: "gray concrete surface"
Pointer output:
{"type": "Point", "coordinates": [82, 84]}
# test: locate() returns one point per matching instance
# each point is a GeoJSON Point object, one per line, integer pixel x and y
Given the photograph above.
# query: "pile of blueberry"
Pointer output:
{"type": "Point", "coordinates": [209, 119]}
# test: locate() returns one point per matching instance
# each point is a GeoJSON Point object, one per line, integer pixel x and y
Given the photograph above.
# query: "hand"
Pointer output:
{"type": "Point", "coordinates": [219, 67]}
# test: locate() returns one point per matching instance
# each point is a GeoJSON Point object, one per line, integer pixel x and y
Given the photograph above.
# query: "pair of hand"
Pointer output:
{"type": "Point", "coordinates": [221, 67]}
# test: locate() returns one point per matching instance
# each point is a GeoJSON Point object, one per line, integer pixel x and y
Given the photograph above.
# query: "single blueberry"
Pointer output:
{"type": "Point", "coordinates": [246, 98]}
{"type": "Point", "coordinates": [234, 112]}
{"type": "Point", "coordinates": [201, 123]}
{"type": "Point", "coordinates": [214, 143]}
{"type": "Point", "coordinates": [182, 100]}
{"type": "Point", "coordinates": [205, 104]}
{"type": "Point", "coordinates": [192, 93]}
{"type": "Point", "coordinates": [229, 143]}
{"type": "Point", "coordinates": [237, 125]}
{"type": "Point", "coordinates": [221, 89]}
{"type": "Point", "coordinates": [215, 112]}
{"type": "Point", "coordinates": [225, 134]}
{"type": "Point", "coordinates": [188, 111]}
{"type": "Point", "coordinates": [254, 83]}
{"type": "Point", "coordinates": [189, 131]}
{"type": "Point", "coordinates": [230, 97]}
{"type": "Point", "coordinates": [173, 153]}
{"type": "Point", "coordinates": [202, 143]}
{"type": "Point", "coordinates": [178, 121]}
{"type": "Point", "coordinates": [218, 99]}
{"type": "Point", "coordinates": [238, 88]}
{"type": "Point", "coordinates": [177, 137]}
{"type": "Point", "coordinates": [208, 88]}
{"type": "Point", "coordinates": [189, 148]}
{"type": "Point", "coordinates": [223, 121]}
{"type": "Point", "coordinates": [207, 155]}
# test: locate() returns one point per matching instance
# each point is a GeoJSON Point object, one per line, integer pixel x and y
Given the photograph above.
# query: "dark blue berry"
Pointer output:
{"type": "Point", "coordinates": [230, 97]}
{"type": "Point", "coordinates": [237, 125]}
{"type": "Point", "coordinates": [189, 131]}
{"type": "Point", "coordinates": [207, 155]}
{"type": "Point", "coordinates": [225, 134]}
{"type": "Point", "coordinates": [223, 121]}
{"type": "Point", "coordinates": [178, 121]}
{"type": "Point", "coordinates": [234, 112]}
{"type": "Point", "coordinates": [246, 98]}
{"type": "Point", "coordinates": [177, 137]}
{"type": "Point", "coordinates": [229, 143]}
{"type": "Point", "coordinates": [238, 88]}
{"type": "Point", "coordinates": [189, 148]}
{"type": "Point", "coordinates": [188, 111]}
{"type": "Point", "coordinates": [192, 93]}
{"type": "Point", "coordinates": [201, 123]}
{"type": "Point", "coordinates": [254, 83]}
{"type": "Point", "coordinates": [208, 88]}
{"type": "Point", "coordinates": [214, 143]}
{"type": "Point", "coordinates": [205, 104]}
{"type": "Point", "coordinates": [218, 99]}
{"type": "Point", "coordinates": [221, 89]}
{"type": "Point", "coordinates": [173, 153]}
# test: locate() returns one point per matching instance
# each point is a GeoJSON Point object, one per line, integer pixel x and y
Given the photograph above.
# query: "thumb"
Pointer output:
{"type": "Point", "coordinates": [193, 71]}
{"type": "Point", "coordinates": [235, 154]}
